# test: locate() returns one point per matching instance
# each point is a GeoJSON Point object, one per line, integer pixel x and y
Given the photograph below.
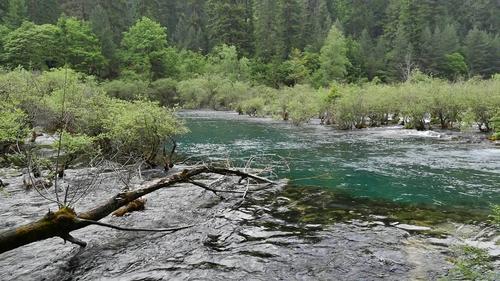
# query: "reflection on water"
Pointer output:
{"type": "Point", "coordinates": [391, 164]}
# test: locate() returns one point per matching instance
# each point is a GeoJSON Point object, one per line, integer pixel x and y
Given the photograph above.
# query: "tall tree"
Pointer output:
{"type": "Point", "coordinates": [481, 53]}
{"type": "Point", "coordinates": [17, 12]}
{"type": "Point", "coordinates": [445, 42]}
{"type": "Point", "coordinates": [401, 59]}
{"type": "Point", "coordinates": [102, 27]}
{"type": "Point", "coordinates": [32, 46]}
{"type": "Point", "coordinates": [79, 46]}
{"type": "Point", "coordinates": [230, 23]}
{"type": "Point", "coordinates": [46, 11]}
{"type": "Point", "coordinates": [268, 43]}
{"type": "Point", "coordinates": [333, 57]}
{"type": "Point", "coordinates": [291, 17]}
{"type": "Point", "coordinates": [79, 9]}
{"type": "Point", "coordinates": [191, 31]}
{"type": "Point", "coordinates": [317, 22]}
{"type": "Point", "coordinates": [144, 49]}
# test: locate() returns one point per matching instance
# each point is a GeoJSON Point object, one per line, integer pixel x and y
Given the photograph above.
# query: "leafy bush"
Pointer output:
{"type": "Point", "coordinates": [13, 124]}
{"type": "Point", "coordinates": [126, 89]}
{"type": "Point", "coordinates": [75, 146]}
{"type": "Point", "coordinates": [303, 103]}
{"type": "Point", "coordinates": [140, 128]}
{"type": "Point", "coordinates": [195, 93]}
{"type": "Point", "coordinates": [164, 91]}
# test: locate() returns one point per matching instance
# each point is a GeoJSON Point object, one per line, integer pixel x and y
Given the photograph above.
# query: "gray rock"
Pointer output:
{"type": "Point", "coordinates": [409, 227]}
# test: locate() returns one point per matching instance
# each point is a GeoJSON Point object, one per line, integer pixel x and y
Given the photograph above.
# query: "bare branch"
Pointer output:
{"type": "Point", "coordinates": [171, 229]}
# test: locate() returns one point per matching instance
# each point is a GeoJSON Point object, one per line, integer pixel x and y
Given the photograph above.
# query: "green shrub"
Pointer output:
{"type": "Point", "coordinates": [13, 124]}
{"type": "Point", "coordinates": [164, 91]}
{"type": "Point", "coordinates": [140, 128]}
{"type": "Point", "coordinates": [303, 103]}
{"type": "Point", "coordinates": [195, 93]}
{"type": "Point", "coordinates": [126, 89]}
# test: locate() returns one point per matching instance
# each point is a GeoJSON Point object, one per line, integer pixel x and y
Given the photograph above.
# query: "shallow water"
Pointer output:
{"type": "Point", "coordinates": [388, 164]}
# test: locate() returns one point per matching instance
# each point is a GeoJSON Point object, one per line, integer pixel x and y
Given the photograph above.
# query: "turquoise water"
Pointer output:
{"type": "Point", "coordinates": [384, 164]}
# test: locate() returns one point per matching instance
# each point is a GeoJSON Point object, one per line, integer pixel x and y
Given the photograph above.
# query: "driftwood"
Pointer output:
{"type": "Point", "coordinates": [136, 205]}
{"type": "Point", "coordinates": [66, 220]}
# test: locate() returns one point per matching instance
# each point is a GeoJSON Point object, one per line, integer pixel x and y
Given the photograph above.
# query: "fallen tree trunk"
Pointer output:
{"type": "Point", "coordinates": [66, 220]}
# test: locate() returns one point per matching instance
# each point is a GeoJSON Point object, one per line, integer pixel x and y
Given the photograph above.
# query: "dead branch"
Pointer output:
{"type": "Point", "coordinates": [171, 229]}
{"type": "Point", "coordinates": [66, 220]}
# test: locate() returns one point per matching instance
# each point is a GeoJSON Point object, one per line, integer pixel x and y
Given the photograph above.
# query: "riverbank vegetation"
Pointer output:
{"type": "Point", "coordinates": [74, 106]}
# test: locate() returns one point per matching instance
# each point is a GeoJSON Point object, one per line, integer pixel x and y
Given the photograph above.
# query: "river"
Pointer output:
{"type": "Point", "coordinates": [389, 165]}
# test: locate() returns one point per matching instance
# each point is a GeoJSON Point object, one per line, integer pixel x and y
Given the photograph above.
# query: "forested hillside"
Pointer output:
{"type": "Point", "coordinates": [283, 42]}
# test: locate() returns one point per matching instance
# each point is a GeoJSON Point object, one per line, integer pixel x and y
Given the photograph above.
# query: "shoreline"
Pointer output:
{"type": "Point", "coordinates": [437, 133]}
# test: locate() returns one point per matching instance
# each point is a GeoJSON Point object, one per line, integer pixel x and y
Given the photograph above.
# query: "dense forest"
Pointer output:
{"type": "Point", "coordinates": [283, 42]}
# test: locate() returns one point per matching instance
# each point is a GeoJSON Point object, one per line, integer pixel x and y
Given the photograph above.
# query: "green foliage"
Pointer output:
{"type": "Point", "coordinates": [195, 93]}
{"type": "Point", "coordinates": [164, 91]}
{"type": "Point", "coordinates": [190, 64]}
{"type": "Point", "coordinates": [140, 128]}
{"type": "Point", "coordinates": [224, 61]}
{"type": "Point", "coordinates": [495, 215]}
{"type": "Point", "coordinates": [481, 52]}
{"type": "Point", "coordinates": [46, 46]}
{"type": "Point", "coordinates": [252, 107]}
{"type": "Point", "coordinates": [126, 89]}
{"type": "Point", "coordinates": [471, 264]}
{"type": "Point", "coordinates": [91, 122]}
{"type": "Point", "coordinates": [79, 46]}
{"type": "Point", "coordinates": [333, 57]}
{"type": "Point", "coordinates": [294, 71]}
{"type": "Point", "coordinates": [13, 123]}
{"type": "Point", "coordinates": [74, 147]}
{"type": "Point", "coordinates": [32, 46]}
{"type": "Point", "coordinates": [84, 105]}
{"type": "Point", "coordinates": [144, 49]}
{"type": "Point", "coordinates": [455, 66]}
{"type": "Point", "coordinates": [212, 91]}
{"type": "Point", "coordinates": [303, 103]}
{"type": "Point", "coordinates": [229, 22]}
{"type": "Point", "coordinates": [17, 12]}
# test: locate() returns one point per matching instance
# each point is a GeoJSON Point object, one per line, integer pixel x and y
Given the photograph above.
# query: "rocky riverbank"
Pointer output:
{"type": "Point", "coordinates": [232, 241]}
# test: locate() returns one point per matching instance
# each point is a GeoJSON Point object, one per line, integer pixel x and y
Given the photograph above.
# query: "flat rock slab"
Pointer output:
{"type": "Point", "coordinates": [409, 227]}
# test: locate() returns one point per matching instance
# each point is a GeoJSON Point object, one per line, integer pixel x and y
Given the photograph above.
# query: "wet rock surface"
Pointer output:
{"type": "Point", "coordinates": [233, 241]}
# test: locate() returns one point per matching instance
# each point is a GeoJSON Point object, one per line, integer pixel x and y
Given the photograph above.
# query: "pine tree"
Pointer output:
{"type": "Point", "coordinates": [267, 27]}
{"type": "Point", "coordinates": [333, 57]}
{"type": "Point", "coordinates": [317, 22]}
{"type": "Point", "coordinates": [401, 59]}
{"type": "Point", "coordinates": [366, 53]}
{"type": "Point", "coordinates": [46, 11]}
{"type": "Point", "coordinates": [229, 23]}
{"type": "Point", "coordinates": [191, 32]}
{"type": "Point", "coordinates": [445, 42]}
{"type": "Point", "coordinates": [481, 53]}
{"type": "Point", "coordinates": [291, 26]}
{"type": "Point", "coordinates": [427, 57]}
{"type": "Point", "coordinates": [101, 26]}
{"type": "Point", "coordinates": [17, 12]}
